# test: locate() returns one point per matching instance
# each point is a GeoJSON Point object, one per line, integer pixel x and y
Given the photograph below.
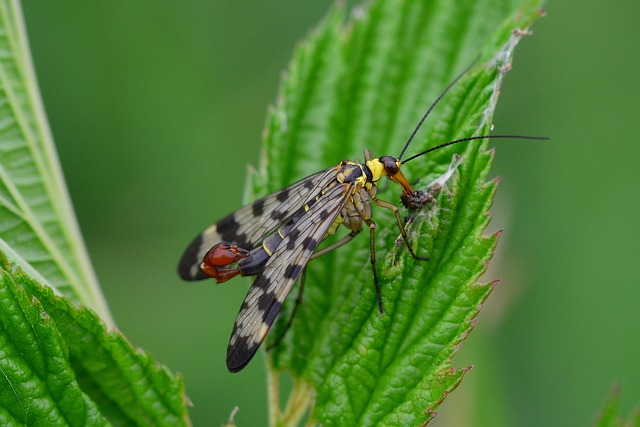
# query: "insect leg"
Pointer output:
{"type": "Point", "coordinates": [372, 242]}
{"type": "Point", "coordinates": [346, 239]}
{"type": "Point", "coordinates": [395, 210]}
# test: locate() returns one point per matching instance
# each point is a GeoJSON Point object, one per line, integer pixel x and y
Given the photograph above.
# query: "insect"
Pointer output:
{"type": "Point", "coordinates": [276, 236]}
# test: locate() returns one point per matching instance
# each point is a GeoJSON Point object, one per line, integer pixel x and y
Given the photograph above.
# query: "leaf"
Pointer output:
{"type": "Point", "coordinates": [609, 417]}
{"type": "Point", "coordinates": [59, 364]}
{"type": "Point", "coordinates": [38, 229]}
{"type": "Point", "coordinates": [61, 367]}
{"type": "Point", "coordinates": [366, 83]}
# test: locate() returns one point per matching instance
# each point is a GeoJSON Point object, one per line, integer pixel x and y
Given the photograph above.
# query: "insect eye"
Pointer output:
{"type": "Point", "coordinates": [390, 165]}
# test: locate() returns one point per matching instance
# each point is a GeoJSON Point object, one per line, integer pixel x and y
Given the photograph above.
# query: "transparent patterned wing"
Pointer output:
{"type": "Point", "coordinates": [249, 225]}
{"type": "Point", "coordinates": [270, 289]}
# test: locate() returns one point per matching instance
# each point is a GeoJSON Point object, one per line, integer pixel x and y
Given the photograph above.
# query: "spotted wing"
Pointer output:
{"type": "Point", "coordinates": [249, 225]}
{"type": "Point", "coordinates": [269, 290]}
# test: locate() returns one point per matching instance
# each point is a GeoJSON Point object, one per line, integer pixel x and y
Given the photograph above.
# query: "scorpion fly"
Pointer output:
{"type": "Point", "coordinates": [276, 236]}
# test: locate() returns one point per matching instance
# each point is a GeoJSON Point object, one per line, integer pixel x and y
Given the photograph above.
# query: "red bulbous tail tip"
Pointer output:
{"type": "Point", "coordinates": [222, 255]}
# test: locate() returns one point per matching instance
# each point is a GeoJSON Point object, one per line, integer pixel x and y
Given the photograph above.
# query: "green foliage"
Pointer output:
{"type": "Point", "coordinates": [38, 229]}
{"type": "Point", "coordinates": [609, 415]}
{"type": "Point", "coordinates": [61, 367]}
{"type": "Point", "coordinates": [350, 86]}
{"type": "Point", "coordinates": [365, 84]}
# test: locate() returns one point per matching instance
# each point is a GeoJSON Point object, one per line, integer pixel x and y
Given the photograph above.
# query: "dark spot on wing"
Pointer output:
{"type": "Point", "coordinates": [308, 184]}
{"type": "Point", "coordinates": [310, 243]}
{"type": "Point", "coordinates": [294, 234]}
{"type": "Point", "coordinates": [265, 301]}
{"type": "Point", "coordinates": [228, 230]}
{"type": "Point", "coordinates": [270, 315]}
{"type": "Point", "coordinates": [258, 208]}
{"type": "Point", "coordinates": [277, 215]}
{"type": "Point", "coordinates": [240, 354]}
{"type": "Point", "coordinates": [323, 214]}
{"type": "Point", "coordinates": [292, 271]}
{"type": "Point", "coordinates": [283, 195]}
{"type": "Point", "coordinates": [262, 283]}
{"type": "Point", "coordinates": [191, 259]}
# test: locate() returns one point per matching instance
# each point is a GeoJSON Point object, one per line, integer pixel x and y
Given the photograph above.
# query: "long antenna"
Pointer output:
{"type": "Point", "coordinates": [424, 117]}
{"type": "Point", "coordinates": [472, 138]}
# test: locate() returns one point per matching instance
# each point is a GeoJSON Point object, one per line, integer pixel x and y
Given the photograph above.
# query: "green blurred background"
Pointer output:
{"type": "Point", "coordinates": [157, 109]}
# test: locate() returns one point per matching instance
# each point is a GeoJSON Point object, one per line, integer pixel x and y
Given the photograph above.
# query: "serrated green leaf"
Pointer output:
{"type": "Point", "coordinates": [62, 367]}
{"type": "Point", "coordinates": [38, 228]}
{"type": "Point", "coordinates": [38, 385]}
{"type": "Point", "coordinates": [365, 83]}
{"type": "Point", "coordinates": [60, 364]}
